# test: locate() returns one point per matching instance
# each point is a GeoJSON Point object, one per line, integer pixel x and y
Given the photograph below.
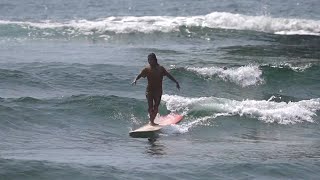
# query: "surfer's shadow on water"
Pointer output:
{"type": "Point", "coordinates": [155, 148]}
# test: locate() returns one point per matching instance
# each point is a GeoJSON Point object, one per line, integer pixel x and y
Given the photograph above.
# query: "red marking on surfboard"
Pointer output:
{"type": "Point", "coordinates": [168, 119]}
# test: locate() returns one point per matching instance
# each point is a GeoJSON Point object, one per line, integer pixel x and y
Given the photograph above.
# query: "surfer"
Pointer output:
{"type": "Point", "coordinates": [154, 73]}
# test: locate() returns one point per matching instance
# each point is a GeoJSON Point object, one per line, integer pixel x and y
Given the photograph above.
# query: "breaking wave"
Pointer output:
{"type": "Point", "coordinates": [243, 76]}
{"type": "Point", "coordinates": [105, 27]}
{"type": "Point", "coordinates": [267, 111]}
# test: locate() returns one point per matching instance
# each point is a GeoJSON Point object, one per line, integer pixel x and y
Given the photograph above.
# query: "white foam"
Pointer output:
{"type": "Point", "coordinates": [243, 76]}
{"type": "Point", "coordinates": [294, 67]}
{"type": "Point", "coordinates": [266, 111]}
{"type": "Point", "coordinates": [148, 24]}
{"type": "Point", "coordinates": [262, 23]}
{"type": "Point", "coordinates": [298, 32]}
{"type": "Point", "coordinates": [185, 127]}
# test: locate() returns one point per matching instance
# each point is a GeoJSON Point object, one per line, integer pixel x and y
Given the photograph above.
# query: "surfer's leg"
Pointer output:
{"type": "Point", "coordinates": [157, 100]}
{"type": "Point", "coordinates": [150, 106]}
{"type": "Point", "coordinates": [153, 114]}
{"type": "Point", "coordinates": [151, 101]}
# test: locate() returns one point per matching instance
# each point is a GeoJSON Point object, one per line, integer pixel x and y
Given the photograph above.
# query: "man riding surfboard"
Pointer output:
{"type": "Point", "coordinates": [154, 73]}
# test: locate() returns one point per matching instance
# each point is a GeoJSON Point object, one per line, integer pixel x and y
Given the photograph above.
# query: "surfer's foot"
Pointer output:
{"type": "Point", "coordinates": [153, 124]}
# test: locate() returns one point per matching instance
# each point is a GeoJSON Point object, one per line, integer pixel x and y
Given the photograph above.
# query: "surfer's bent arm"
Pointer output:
{"type": "Point", "coordinates": [171, 78]}
{"type": "Point", "coordinates": [142, 74]}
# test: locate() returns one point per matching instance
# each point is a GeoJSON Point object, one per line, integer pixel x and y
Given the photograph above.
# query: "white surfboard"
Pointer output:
{"type": "Point", "coordinates": [149, 131]}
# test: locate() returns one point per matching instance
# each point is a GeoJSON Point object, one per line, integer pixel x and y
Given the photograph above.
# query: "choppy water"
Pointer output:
{"type": "Point", "coordinates": [250, 89]}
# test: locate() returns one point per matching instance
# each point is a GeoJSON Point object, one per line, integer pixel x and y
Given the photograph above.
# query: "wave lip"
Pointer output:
{"type": "Point", "coordinates": [293, 67]}
{"type": "Point", "coordinates": [166, 24]}
{"type": "Point", "coordinates": [265, 110]}
{"type": "Point", "coordinates": [244, 76]}
{"type": "Point", "coordinates": [263, 24]}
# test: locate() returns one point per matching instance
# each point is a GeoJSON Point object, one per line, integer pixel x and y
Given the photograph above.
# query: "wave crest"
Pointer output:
{"type": "Point", "coordinates": [243, 76]}
{"type": "Point", "coordinates": [294, 67]}
{"type": "Point", "coordinates": [166, 24]}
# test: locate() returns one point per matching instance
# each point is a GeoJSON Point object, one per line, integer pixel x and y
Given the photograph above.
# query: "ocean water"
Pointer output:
{"type": "Point", "coordinates": [248, 70]}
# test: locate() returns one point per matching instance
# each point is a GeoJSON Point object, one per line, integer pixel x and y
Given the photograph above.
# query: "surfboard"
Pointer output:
{"type": "Point", "coordinates": [148, 131]}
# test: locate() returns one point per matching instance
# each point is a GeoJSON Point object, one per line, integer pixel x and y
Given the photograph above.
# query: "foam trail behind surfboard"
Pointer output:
{"type": "Point", "coordinates": [185, 127]}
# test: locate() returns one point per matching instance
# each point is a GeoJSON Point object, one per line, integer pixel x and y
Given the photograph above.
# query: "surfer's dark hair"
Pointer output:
{"type": "Point", "coordinates": [153, 56]}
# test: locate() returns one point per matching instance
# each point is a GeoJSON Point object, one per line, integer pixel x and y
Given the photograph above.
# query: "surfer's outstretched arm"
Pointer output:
{"type": "Point", "coordinates": [173, 79]}
{"type": "Point", "coordinates": [136, 79]}
{"type": "Point", "coordinates": [142, 74]}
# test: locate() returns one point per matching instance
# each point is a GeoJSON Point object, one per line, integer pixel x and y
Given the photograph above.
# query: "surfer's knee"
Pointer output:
{"type": "Point", "coordinates": [155, 109]}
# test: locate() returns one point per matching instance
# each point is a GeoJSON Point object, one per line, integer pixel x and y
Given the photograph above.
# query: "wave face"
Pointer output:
{"type": "Point", "coordinates": [104, 27]}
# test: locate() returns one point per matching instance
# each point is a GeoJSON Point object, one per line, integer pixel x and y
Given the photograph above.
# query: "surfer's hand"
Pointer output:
{"type": "Point", "coordinates": [178, 86]}
{"type": "Point", "coordinates": [134, 82]}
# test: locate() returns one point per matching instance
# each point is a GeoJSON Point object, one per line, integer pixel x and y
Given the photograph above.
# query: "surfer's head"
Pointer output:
{"type": "Point", "coordinates": [152, 59]}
